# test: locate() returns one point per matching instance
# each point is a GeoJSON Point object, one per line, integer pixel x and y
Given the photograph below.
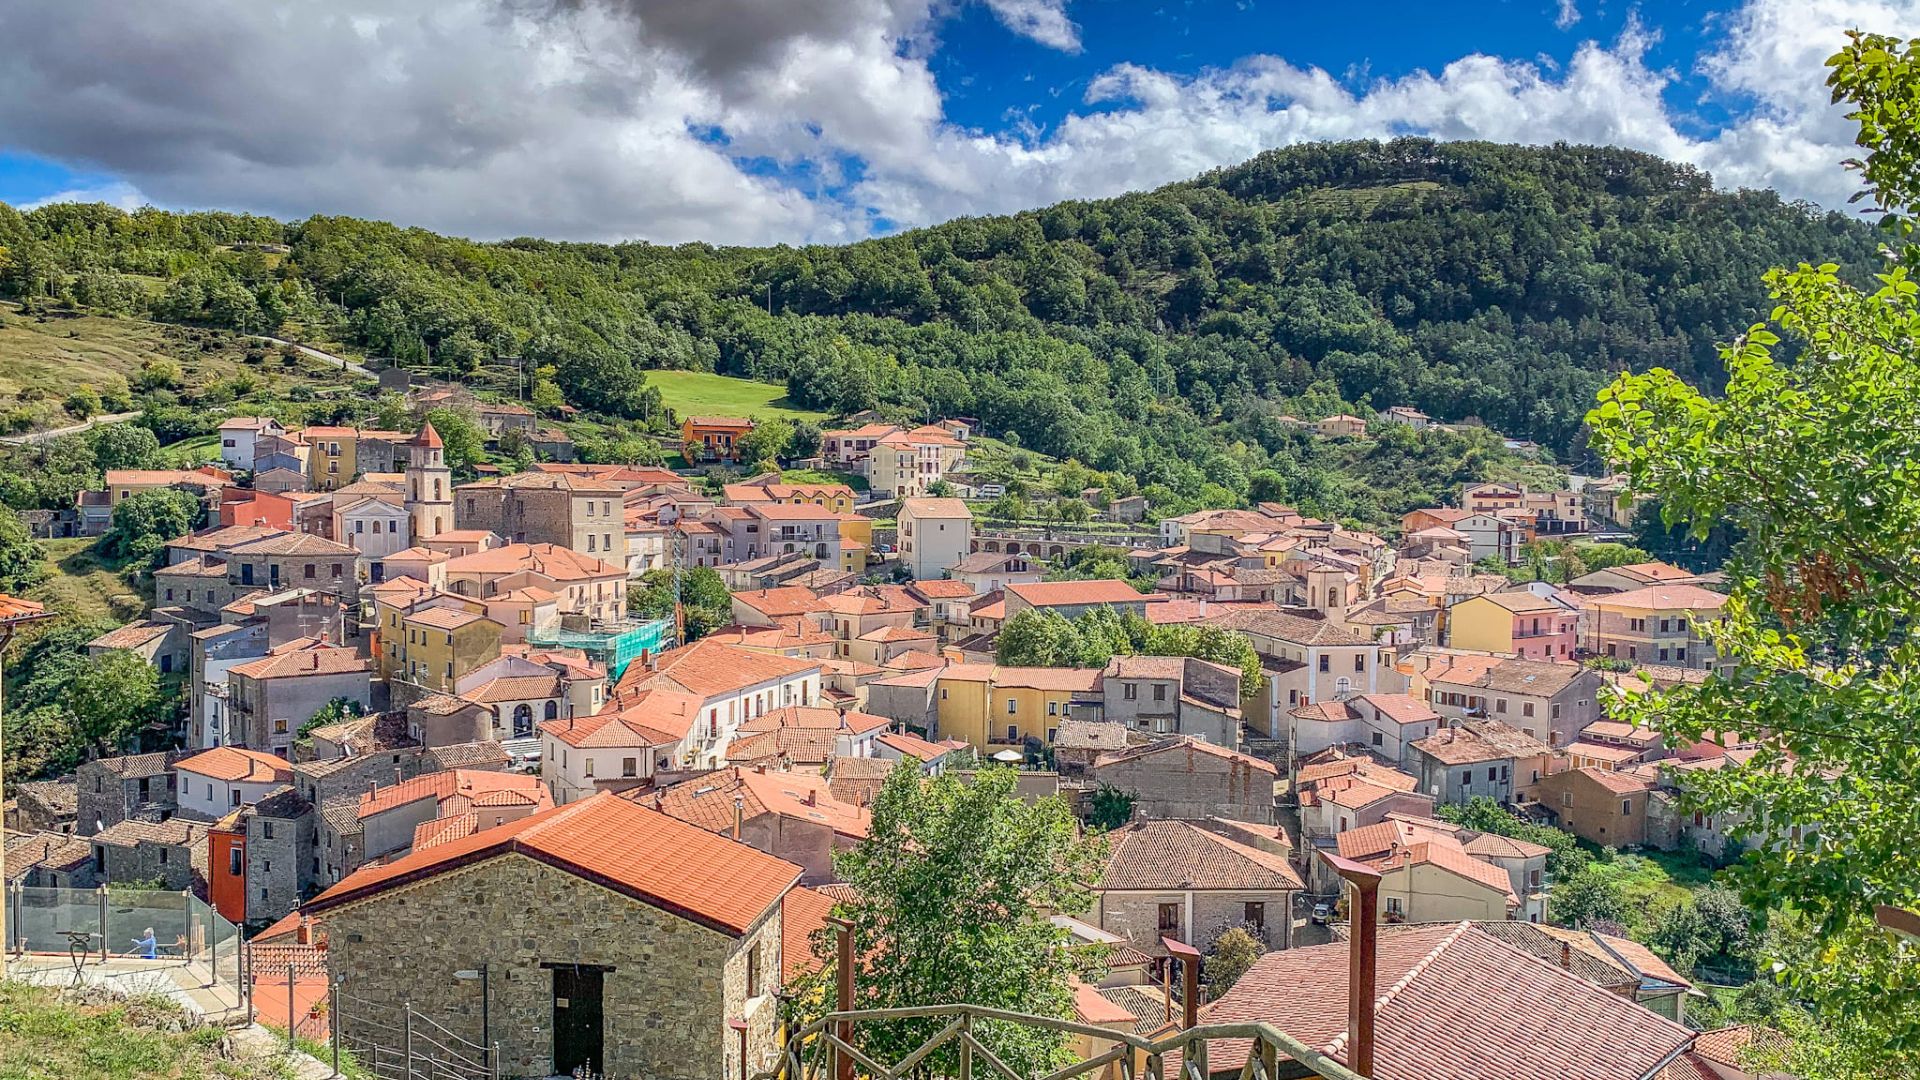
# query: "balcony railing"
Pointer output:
{"type": "Point", "coordinates": [820, 1050]}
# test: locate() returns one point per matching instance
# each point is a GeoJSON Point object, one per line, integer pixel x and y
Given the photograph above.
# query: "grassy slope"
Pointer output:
{"type": "Point", "coordinates": [43, 1036]}
{"type": "Point", "coordinates": [695, 393]}
{"type": "Point", "coordinates": [80, 585]}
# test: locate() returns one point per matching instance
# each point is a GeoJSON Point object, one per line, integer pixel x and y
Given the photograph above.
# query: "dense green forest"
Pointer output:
{"type": "Point", "coordinates": [1162, 334]}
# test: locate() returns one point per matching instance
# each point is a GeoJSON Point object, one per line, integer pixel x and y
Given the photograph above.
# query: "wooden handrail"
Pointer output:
{"type": "Point", "coordinates": [1269, 1044]}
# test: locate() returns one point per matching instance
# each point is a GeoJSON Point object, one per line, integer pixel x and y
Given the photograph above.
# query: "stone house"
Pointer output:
{"type": "Point", "coordinates": [1550, 702]}
{"type": "Point", "coordinates": [1476, 758]}
{"type": "Point", "coordinates": [281, 866]}
{"type": "Point", "coordinates": [1187, 778]}
{"type": "Point", "coordinates": [1343, 793]}
{"type": "Point", "coordinates": [1176, 879]}
{"type": "Point", "coordinates": [1173, 695]}
{"type": "Point", "coordinates": [1077, 743]}
{"type": "Point", "coordinates": [657, 952]}
{"type": "Point", "coordinates": [135, 787]}
{"type": "Point", "coordinates": [562, 509]}
{"type": "Point", "coordinates": [789, 815]}
{"type": "Point", "coordinates": [150, 851]}
{"type": "Point", "coordinates": [1387, 724]}
{"type": "Point", "coordinates": [43, 806]}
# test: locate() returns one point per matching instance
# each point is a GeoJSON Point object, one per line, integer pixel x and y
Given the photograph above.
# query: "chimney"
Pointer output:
{"type": "Point", "coordinates": [1189, 958]}
{"type": "Point", "coordinates": [1566, 955]}
{"type": "Point", "coordinates": [739, 813]}
{"type": "Point", "coordinates": [813, 797]}
{"type": "Point", "coordinates": [304, 933]}
{"type": "Point", "coordinates": [1363, 921]}
{"type": "Point", "coordinates": [396, 774]}
{"type": "Point", "coordinates": [373, 786]}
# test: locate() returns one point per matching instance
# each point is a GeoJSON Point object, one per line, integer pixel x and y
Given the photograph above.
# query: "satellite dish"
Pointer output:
{"type": "Point", "coordinates": [1009, 756]}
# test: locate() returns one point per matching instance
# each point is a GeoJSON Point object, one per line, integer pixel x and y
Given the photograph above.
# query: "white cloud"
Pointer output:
{"type": "Point", "coordinates": [114, 193]}
{"type": "Point", "coordinates": [1569, 15]}
{"type": "Point", "coordinates": [598, 118]}
{"type": "Point", "coordinates": [1045, 21]}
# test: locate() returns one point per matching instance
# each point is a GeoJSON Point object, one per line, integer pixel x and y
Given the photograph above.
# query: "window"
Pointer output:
{"type": "Point", "coordinates": [266, 830]}
{"type": "Point", "coordinates": [1170, 919]}
{"type": "Point", "coordinates": [1626, 807]}
{"type": "Point", "coordinates": [1013, 706]}
{"type": "Point", "coordinates": [1293, 697]}
{"type": "Point", "coordinates": [1326, 662]}
{"type": "Point", "coordinates": [1526, 708]}
{"type": "Point", "coordinates": [233, 797]}
{"type": "Point", "coordinates": [309, 571]}
{"type": "Point", "coordinates": [1053, 708]}
{"type": "Point", "coordinates": [1680, 625]}
{"type": "Point", "coordinates": [1129, 692]}
{"type": "Point", "coordinates": [1159, 692]}
{"type": "Point", "coordinates": [1377, 739]}
{"type": "Point", "coordinates": [1566, 798]}
{"type": "Point", "coordinates": [1394, 906]}
{"type": "Point", "coordinates": [1359, 661]}
{"type": "Point", "coordinates": [1500, 705]}
{"type": "Point", "coordinates": [1255, 916]}
{"type": "Point", "coordinates": [753, 970]}
{"type": "Point", "coordinates": [1492, 774]}
{"type": "Point", "coordinates": [233, 862]}
{"type": "Point", "coordinates": [589, 766]}
{"type": "Point", "coordinates": [1013, 733]}
{"type": "Point", "coordinates": [553, 709]}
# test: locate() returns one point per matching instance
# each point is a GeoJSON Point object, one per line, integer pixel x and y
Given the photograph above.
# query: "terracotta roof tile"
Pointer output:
{"type": "Point", "coordinates": [235, 765]}
{"type": "Point", "coordinates": [614, 843]}
{"type": "Point", "coordinates": [1185, 745]}
{"type": "Point", "coordinates": [708, 668]}
{"type": "Point", "coordinates": [803, 913]}
{"type": "Point", "coordinates": [707, 801]}
{"type": "Point", "coordinates": [1455, 1004]}
{"type": "Point", "coordinates": [1181, 855]}
{"type": "Point", "coordinates": [1075, 593]}
{"type": "Point", "coordinates": [303, 662]}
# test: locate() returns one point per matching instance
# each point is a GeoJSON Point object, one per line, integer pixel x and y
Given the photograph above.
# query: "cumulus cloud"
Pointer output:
{"type": "Point", "coordinates": [742, 121]}
{"type": "Point", "coordinates": [1045, 21]}
{"type": "Point", "coordinates": [114, 193]}
{"type": "Point", "coordinates": [1569, 15]}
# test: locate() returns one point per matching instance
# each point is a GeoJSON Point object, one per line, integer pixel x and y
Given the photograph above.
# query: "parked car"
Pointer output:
{"type": "Point", "coordinates": [1321, 913]}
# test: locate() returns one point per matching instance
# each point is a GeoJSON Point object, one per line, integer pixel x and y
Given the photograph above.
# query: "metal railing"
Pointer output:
{"type": "Point", "coordinates": [827, 1048]}
{"type": "Point", "coordinates": [410, 1047]}
{"type": "Point", "coordinates": [98, 926]}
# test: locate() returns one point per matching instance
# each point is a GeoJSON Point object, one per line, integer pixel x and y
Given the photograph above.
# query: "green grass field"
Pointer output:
{"type": "Point", "coordinates": [696, 393]}
{"type": "Point", "coordinates": [45, 1034]}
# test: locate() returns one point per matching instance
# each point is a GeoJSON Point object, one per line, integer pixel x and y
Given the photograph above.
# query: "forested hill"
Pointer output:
{"type": "Point", "coordinates": [1160, 334]}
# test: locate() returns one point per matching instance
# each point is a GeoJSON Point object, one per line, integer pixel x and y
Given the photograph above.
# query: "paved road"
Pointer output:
{"type": "Point", "coordinates": [70, 429]}
{"type": "Point", "coordinates": [336, 361]}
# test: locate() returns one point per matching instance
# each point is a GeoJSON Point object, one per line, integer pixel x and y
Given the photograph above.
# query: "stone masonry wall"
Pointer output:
{"type": "Point", "coordinates": [672, 986]}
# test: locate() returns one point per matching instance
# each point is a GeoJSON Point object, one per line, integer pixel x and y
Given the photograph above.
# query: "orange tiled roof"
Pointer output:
{"type": "Point", "coordinates": [448, 786]}
{"type": "Point", "coordinates": [1062, 593]}
{"type": "Point", "coordinates": [235, 765]}
{"type": "Point", "coordinates": [910, 745]}
{"type": "Point", "coordinates": [616, 844]}
{"type": "Point", "coordinates": [296, 663]}
{"type": "Point", "coordinates": [1181, 855]}
{"type": "Point", "coordinates": [803, 912]}
{"type": "Point", "coordinates": [1455, 1004]}
{"type": "Point", "coordinates": [782, 601]}
{"type": "Point", "coordinates": [708, 801]}
{"type": "Point", "coordinates": [706, 668]}
{"type": "Point", "coordinates": [548, 560]}
{"type": "Point", "coordinates": [649, 718]}
{"type": "Point", "coordinates": [1663, 598]}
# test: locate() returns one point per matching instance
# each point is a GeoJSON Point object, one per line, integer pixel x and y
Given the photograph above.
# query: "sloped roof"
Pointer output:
{"type": "Point", "coordinates": [707, 801]}
{"type": "Point", "coordinates": [1181, 855]}
{"type": "Point", "coordinates": [657, 717]}
{"type": "Point", "coordinates": [616, 844]}
{"type": "Point", "coordinates": [803, 912]}
{"type": "Point", "coordinates": [1186, 745]}
{"type": "Point", "coordinates": [706, 668]}
{"type": "Point", "coordinates": [1456, 1004]}
{"type": "Point", "coordinates": [1076, 593]}
{"type": "Point", "coordinates": [1680, 597]}
{"type": "Point", "coordinates": [297, 663]}
{"type": "Point", "coordinates": [235, 765]}
{"type": "Point", "coordinates": [1285, 626]}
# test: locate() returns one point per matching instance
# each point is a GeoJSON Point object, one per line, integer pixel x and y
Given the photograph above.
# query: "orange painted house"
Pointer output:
{"type": "Point", "coordinates": [713, 437]}
{"type": "Point", "coordinates": [244, 506]}
{"type": "Point", "coordinates": [227, 869]}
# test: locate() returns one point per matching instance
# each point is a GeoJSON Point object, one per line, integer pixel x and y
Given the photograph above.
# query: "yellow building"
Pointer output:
{"type": "Point", "coordinates": [989, 705]}
{"type": "Point", "coordinates": [439, 646]}
{"type": "Point", "coordinates": [1516, 621]}
{"type": "Point", "coordinates": [332, 456]}
{"type": "Point", "coordinates": [856, 540]}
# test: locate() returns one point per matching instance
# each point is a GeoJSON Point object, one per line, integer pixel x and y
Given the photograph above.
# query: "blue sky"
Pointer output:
{"type": "Point", "coordinates": [755, 121]}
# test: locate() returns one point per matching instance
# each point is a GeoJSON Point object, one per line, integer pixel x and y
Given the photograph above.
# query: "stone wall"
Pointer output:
{"type": "Point", "coordinates": [672, 986]}
{"type": "Point", "coordinates": [1136, 916]}
{"type": "Point", "coordinates": [278, 867]}
{"type": "Point", "coordinates": [1185, 783]}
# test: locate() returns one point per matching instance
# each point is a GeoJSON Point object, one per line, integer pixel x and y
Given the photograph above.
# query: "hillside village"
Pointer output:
{"type": "Point", "coordinates": [408, 703]}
